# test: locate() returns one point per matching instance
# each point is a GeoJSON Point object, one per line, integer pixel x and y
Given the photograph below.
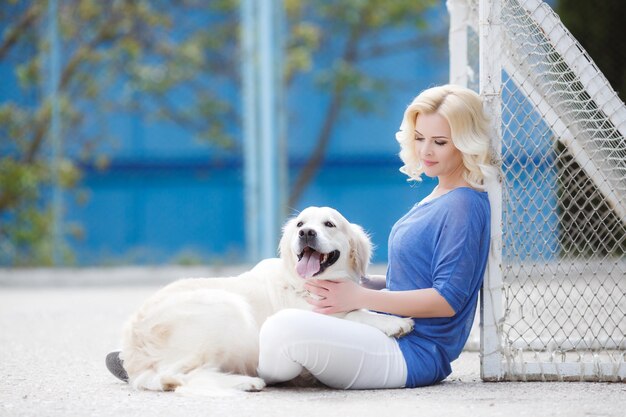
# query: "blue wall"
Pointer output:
{"type": "Point", "coordinates": [161, 214]}
{"type": "Point", "coordinates": [168, 198]}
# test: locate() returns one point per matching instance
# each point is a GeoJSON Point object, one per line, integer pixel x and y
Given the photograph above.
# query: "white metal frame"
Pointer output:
{"type": "Point", "coordinates": [490, 88]}
{"type": "Point", "coordinates": [490, 81]}
{"type": "Point", "coordinates": [595, 85]}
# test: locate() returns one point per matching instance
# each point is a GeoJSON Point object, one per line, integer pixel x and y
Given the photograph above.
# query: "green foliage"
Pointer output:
{"type": "Point", "coordinates": [26, 235]}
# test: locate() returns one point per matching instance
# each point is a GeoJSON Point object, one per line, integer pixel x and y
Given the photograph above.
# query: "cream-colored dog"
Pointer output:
{"type": "Point", "coordinates": [201, 335]}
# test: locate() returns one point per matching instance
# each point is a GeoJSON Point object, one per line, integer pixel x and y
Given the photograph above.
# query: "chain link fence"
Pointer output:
{"type": "Point", "coordinates": [561, 306]}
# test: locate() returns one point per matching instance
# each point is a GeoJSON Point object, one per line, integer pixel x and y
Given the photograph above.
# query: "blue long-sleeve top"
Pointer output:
{"type": "Point", "coordinates": [441, 244]}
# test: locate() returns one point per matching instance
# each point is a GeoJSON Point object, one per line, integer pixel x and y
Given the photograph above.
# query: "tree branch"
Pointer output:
{"type": "Point", "coordinates": [332, 113]}
{"type": "Point", "coordinates": [25, 21]}
{"type": "Point", "coordinates": [66, 77]}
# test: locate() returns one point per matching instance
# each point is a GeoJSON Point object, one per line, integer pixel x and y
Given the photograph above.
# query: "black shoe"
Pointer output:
{"type": "Point", "coordinates": [116, 366]}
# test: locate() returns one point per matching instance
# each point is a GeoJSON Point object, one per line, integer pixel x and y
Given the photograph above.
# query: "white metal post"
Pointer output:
{"type": "Point", "coordinates": [491, 90]}
{"type": "Point", "coordinates": [262, 105]}
{"type": "Point", "coordinates": [55, 132]}
{"type": "Point", "coordinates": [249, 120]}
{"type": "Point", "coordinates": [269, 78]}
{"type": "Point", "coordinates": [457, 41]}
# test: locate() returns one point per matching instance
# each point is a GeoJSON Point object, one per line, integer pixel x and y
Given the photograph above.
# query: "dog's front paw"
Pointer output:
{"type": "Point", "coordinates": [393, 326]}
{"type": "Point", "coordinates": [398, 326]}
{"type": "Point", "coordinates": [251, 384]}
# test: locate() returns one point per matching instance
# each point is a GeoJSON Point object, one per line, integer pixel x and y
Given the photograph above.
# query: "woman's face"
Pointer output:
{"type": "Point", "coordinates": [434, 147]}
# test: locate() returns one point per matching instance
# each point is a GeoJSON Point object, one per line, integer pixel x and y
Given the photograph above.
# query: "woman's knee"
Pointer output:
{"type": "Point", "coordinates": [285, 325]}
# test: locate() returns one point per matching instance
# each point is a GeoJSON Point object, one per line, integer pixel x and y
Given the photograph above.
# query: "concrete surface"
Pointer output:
{"type": "Point", "coordinates": [53, 341]}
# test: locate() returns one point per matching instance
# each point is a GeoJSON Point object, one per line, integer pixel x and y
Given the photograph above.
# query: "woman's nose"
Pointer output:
{"type": "Point", "coordinates": [427, 149]}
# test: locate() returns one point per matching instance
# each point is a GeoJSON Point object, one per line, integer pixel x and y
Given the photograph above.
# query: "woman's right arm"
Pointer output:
{"type": "Point", "coordinates": [374, 282]}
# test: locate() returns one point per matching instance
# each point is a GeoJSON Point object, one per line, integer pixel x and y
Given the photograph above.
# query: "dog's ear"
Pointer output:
{"type": "Point", "coordinates": [360, 249]}
{"type": "Point", "coordinates": [284, 246]}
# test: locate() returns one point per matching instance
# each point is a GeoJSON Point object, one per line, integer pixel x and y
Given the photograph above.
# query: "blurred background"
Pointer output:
{"type": "Point", "coordinates": [123, 123]}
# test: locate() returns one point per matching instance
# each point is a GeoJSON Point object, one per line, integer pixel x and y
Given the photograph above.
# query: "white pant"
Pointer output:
{"type": "Point", "coordinates": [340, 353]}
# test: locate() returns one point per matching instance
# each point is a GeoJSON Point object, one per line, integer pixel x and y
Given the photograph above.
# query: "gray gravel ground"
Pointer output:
{"type": "Point", "coordinates": [53, 341]}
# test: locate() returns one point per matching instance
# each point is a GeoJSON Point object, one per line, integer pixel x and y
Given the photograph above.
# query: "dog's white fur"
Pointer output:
{"type": "Point", "coordinates": [200, 335]}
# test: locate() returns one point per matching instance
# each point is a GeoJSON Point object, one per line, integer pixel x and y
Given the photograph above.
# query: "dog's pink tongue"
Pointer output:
{"type": "Point", "coordinates": [309, 265]}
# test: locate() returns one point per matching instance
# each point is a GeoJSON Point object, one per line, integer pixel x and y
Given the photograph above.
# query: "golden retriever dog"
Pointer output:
{"type": "Point", "coordinates": [201, 335]}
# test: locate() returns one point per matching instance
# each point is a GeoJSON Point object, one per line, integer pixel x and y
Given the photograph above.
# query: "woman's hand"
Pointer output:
{"type": "Point", "coordinates": [342, 296]}
{"type": "Point", "coordinates": [334, 296]}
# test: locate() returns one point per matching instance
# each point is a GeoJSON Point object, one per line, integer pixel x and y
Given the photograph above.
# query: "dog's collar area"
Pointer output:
{"type": "Point", "coordinates": [312, 263]}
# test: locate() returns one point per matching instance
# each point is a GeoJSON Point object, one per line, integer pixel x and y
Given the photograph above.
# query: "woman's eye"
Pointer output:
{"type": "Point", "coordinates": [419, 138]}
{"type": "Point", "coordinates": [329, 224]}
{"type": "Point", "coordinates": [440, 143]}
{"type": "Point", "coordinates": [299, 224]}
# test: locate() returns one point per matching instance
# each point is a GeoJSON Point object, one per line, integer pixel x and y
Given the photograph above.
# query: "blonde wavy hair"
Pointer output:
{"type": "Point", "coordinates": [463, 110]}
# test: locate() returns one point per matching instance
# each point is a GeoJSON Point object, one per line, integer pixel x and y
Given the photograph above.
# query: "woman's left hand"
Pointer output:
{"type": "Point", "coordinates": [334, 296]}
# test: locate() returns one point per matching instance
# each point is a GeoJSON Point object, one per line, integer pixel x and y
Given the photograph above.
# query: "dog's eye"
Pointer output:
{"type": "Point", "coordinates": [329, 224]}
{"type": "Point", "coordinates": [299, 224]}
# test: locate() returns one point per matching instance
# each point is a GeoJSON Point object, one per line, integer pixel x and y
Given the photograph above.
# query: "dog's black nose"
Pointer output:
{"type": "Point", "coordinates": [307, 233]}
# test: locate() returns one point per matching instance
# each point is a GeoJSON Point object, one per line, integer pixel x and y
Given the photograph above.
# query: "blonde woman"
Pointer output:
{"type": "Point", "coordinates": [437, 257]}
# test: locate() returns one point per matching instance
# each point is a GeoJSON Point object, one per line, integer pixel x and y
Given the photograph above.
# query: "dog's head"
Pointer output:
{"type": "Point", "coordinates": [320, 243]}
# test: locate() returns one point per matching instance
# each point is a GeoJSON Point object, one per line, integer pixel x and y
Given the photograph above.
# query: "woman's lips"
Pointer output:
{"type": "Point", "coordinates": [429, 163]}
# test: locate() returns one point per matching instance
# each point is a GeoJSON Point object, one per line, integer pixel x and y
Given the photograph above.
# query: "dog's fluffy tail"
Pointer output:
{"type": "Point", "coordinates": [199, 382]}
